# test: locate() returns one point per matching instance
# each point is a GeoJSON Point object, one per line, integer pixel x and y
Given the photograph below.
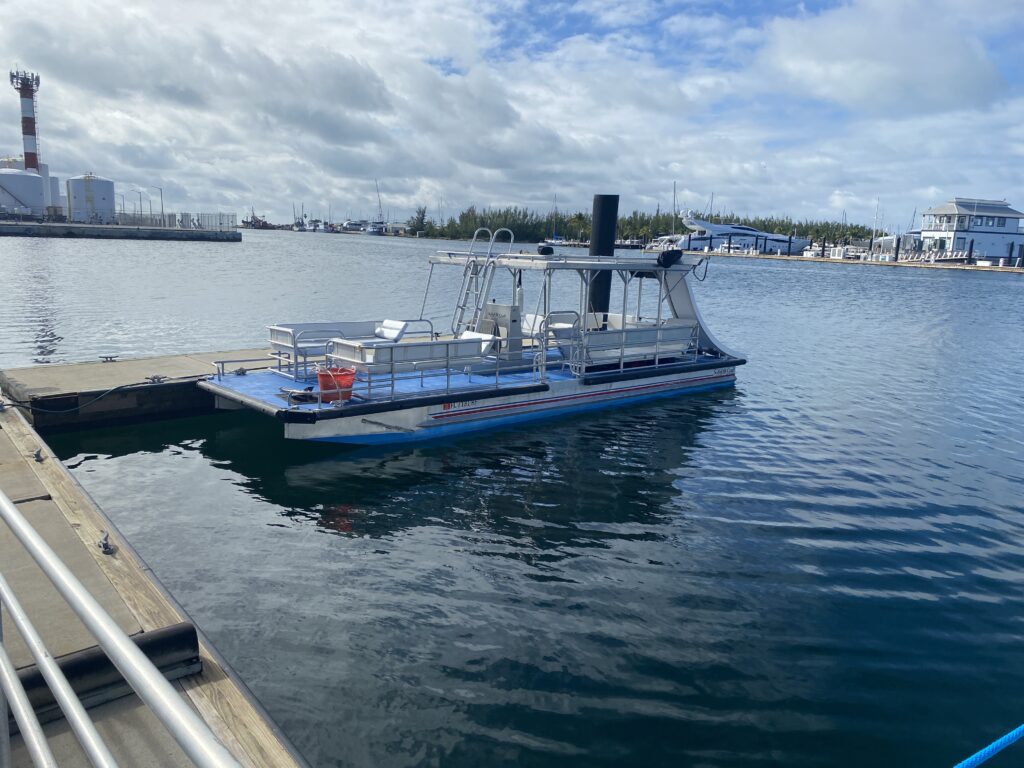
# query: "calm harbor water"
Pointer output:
{"type": "Point", "coordinates": [821, 567]}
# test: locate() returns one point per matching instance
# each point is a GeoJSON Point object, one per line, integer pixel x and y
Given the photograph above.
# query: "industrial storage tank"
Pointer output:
{"type": "Point", "coordinates": [90, 199]}
{"type": "Point", "coordinates": [55, 196]}
{"type": "Point", "coordinates": [21, 192]}
{"type": "Point", "coordinates": [44, 171]}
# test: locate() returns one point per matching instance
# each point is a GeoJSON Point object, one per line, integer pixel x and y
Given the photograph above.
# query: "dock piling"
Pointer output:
{"type": "Point", "coordinates": [602, 243]}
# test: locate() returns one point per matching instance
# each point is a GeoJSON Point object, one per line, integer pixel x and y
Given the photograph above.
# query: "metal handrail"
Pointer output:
{"type": "Point", "coordinates": [13, 692]}
{"type": "Point", "coordinates": [585, 344]}
{"type": "Point", "coordinates": [74, 712]}
{"type": "Point", "coordinates": [184, 725]}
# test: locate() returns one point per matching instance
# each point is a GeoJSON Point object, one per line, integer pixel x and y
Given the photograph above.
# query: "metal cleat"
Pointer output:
{"type": "Point", "coordinates": [104, 544]}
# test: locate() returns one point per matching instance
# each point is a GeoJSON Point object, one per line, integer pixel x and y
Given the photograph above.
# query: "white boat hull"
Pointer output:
{"type": "Point", "coordinates": [401, 425]}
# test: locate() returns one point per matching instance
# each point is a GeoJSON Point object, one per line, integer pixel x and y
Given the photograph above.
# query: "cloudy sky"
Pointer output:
{"type": "Point", "coordinates": [776, 107]}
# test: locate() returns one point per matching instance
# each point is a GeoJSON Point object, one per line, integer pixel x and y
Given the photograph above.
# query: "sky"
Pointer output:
{"type": "Point", "coordinates": [807, 109]}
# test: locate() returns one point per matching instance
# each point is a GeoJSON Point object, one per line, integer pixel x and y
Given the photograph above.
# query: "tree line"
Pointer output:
{"type": "Point", "coordinates": [531, 226]}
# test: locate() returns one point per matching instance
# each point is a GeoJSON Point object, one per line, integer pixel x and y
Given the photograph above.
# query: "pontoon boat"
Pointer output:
{"type": "Point", "coordinates": [532, 335]}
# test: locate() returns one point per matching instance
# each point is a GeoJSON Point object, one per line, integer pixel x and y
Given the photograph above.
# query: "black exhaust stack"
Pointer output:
{"type": "Point", "coordinates": [602, 243]}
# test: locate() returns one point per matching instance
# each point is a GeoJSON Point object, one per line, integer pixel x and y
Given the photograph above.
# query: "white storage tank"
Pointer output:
{"type": "Point", "coordinates": [55, 196]}
{"type": "Point", "coordinates": [44, 171]}
{"type": "Point", "coordinates": [21, 192]}
{"type": "Point", "coordinates": [90, 199]}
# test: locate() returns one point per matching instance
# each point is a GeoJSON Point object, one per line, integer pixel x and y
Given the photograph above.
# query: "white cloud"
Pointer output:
{"type": "Point", "coordinates": [227, 105]}
{"type": "Point", "coordinates": [879, 55]}
{"type": "Point", "coordinates": [616, 13]}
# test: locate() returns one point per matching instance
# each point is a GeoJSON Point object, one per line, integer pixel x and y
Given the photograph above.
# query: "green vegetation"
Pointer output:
{"type": "Point", "coordinates": [530, 226]}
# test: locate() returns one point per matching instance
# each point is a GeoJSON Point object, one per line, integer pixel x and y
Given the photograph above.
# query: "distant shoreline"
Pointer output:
{"type": "Point", "coordinates": [819, 260]}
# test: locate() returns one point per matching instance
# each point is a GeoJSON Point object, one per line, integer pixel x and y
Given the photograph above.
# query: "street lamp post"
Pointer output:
{"type": "Point", "coordinates": [163, 221]}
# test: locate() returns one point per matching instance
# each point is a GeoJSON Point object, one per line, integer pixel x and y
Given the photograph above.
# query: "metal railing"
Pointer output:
{"type": "Point", "coordinates": [934, 256]}
{"type": "Point", "coordinates": [218, 222]}
{"type": "Point", "coordinates": [184, 725]}
{"type": "Point", "coordinates": [617, 347]}
{"type": "Point", "coordinates": [460, 357]}
{"type": "Point", "coordinates": [381, 371]}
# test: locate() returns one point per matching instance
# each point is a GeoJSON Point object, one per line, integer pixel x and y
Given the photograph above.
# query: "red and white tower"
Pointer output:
{"type": "Point", "coordinates": [26, 84]}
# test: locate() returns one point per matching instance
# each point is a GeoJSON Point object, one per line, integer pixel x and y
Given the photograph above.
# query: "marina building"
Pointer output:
{"type": "Point", "coordinates": [978, 228]}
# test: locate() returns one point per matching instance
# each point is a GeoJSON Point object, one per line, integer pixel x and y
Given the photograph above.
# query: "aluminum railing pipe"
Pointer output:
{"type": "Point", "coordinates": [24, 715]}
{"type": "Point", "coordinates": [70, 705]}
{"type": "Point", "coordinates": [185, 726]}
{"type": "Point", "coordinates": [5, 731]}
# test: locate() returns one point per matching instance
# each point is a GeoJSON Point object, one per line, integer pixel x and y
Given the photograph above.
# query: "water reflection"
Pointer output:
{"type": "Point", "coordinates": [42, 306]}
{"type": "Point", "coordinates": [632, 459]}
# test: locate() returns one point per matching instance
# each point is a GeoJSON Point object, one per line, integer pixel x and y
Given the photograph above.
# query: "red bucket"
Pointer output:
{"type": "Point", "coordinates": [335, 383]}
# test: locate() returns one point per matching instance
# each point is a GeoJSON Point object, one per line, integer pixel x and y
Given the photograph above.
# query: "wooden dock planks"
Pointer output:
{"type": "Point", "coordinates": [215, 694]}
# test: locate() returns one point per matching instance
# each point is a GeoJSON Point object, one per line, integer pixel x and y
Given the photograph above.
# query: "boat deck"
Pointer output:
{"type": "Point", "coordinates": [274, 391]}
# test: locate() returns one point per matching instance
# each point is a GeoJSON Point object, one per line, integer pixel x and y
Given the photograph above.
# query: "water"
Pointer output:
{"type": "Point", "coordinates": [820, 567]}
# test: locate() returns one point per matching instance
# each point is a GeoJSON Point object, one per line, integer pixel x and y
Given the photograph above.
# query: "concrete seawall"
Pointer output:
{"type": "Point", "coordinates": [115, 232]}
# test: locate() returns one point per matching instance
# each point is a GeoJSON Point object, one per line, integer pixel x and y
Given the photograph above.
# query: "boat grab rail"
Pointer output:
{"type": "Point", "coordinates": [491, 242]}
{"type": "Point", "coordinates": [220, 365]}
{"type": "Point", "coordinates": [490, 237]}
{"type": "Point", "coordinates": [409, 366]}
{"type": "Point", "coordinates": [494, 238]}
{"type": "Point", "coordinates": [191, 733]}
{"type": "Point", "coordinates": [297, 347]}
{"type": "Point", "coordinates": [670, 341]}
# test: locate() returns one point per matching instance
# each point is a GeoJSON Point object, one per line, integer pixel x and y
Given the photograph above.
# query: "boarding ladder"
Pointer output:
{"type": "Point", "coordinates": [476, 281]}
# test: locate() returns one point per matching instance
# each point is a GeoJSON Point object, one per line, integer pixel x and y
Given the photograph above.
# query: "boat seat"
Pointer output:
{"type": "Point", "coordinates": [486, 340]}
{"type": "Point", "coordinates": [560, 324]}
{"type": "Point", "coordinates": [639, 343]}
{"type": "Point", "coordinates": [386, 332]}
{"type": "Point", "coordinates": [383, 357]}
{"type": "Point", "coordinates": [391, 330]}
{"type": "Point", "coordinates": [294, 344]}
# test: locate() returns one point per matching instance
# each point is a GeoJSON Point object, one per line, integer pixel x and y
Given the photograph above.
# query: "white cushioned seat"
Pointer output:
{"type": "Point", "coordinates": [391, 330]}
{"type": "Point", "coordinates": [486, 340]}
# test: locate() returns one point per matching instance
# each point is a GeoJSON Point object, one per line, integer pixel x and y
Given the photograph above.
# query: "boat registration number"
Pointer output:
{"type": "Point", "coordinates": [463, 404]}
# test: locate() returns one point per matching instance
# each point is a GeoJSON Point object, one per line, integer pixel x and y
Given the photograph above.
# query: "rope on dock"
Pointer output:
{"type": "Point", "coordinates": [995, 747]}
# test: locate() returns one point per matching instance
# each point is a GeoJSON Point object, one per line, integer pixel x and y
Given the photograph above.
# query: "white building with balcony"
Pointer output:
{"type": "Point", "coordinates": [988, 229]}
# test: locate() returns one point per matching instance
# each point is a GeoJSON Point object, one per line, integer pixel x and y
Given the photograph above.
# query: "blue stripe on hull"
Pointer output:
{"type": "Point", "coordinates": [496, 422]}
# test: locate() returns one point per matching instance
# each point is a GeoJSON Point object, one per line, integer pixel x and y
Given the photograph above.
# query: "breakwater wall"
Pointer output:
{"type": "Point", "coordinates": [116, 232]}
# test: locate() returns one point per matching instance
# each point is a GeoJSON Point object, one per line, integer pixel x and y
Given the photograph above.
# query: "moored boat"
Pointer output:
{"type": "Point", "coordinates": [517, 349]}
{"type": "Point", "coordinates": [707, 236]}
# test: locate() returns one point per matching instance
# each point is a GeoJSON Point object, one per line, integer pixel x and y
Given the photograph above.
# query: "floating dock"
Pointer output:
{"type": "Point", "coordinates": [117, 232]}
{"type": "Point", "coordinates": [45, 494]}
{"type": "Point", "coordinates": [119, 391]}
